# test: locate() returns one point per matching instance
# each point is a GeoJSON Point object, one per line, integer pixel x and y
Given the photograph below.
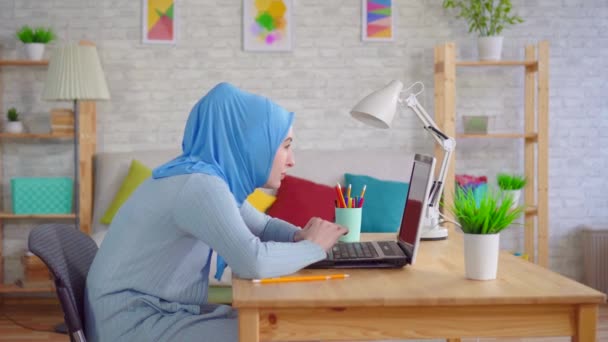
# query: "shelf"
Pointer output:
{"type": "Point", "coordinates": [36, 135]}
{"type": "Point", "coordinates": [12, 288]}
{"type": "Point", "coordinates": [22, 62]}
{"type": "Point", "coordinates": [530, 136]}
{"type": "Point", "coordinates": [4, 215]}
{"type": "Point", "coordinates": [496, 63]}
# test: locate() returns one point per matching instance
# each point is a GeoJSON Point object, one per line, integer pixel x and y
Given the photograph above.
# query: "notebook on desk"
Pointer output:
{"type": "Point", "coordinates": [390, 254]}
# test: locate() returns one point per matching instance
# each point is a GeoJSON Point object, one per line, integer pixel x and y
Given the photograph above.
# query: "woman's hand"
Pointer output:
{"type": "Point", "coordinates": [321, 232]}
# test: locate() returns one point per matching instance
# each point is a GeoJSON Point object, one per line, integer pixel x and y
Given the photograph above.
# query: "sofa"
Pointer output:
{"type": "Point", "coordinates": [320, 166]}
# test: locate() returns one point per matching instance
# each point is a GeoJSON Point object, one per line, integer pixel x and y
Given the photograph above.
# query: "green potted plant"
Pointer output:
{"type": "Point", "coordinates": [488, 18]}
{"type": "Point", "coordinates": [13, 125]}
{"type": "Point", "coordinates": [35, 40]}
{"type": "Point", "coordinates": [511, 185]}
{"type": "Point", "coordinates": [482, 218]}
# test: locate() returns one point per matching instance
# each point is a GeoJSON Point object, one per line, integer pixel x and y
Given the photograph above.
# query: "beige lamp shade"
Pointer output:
{"type": "Point", "coordinates": [75, 73]}
{"type": "Point", "coordinates": [378, 108]}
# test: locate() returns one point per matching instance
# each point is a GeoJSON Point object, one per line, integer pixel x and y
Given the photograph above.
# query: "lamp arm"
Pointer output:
{"type": "Point", "coordinates": [438, 185]}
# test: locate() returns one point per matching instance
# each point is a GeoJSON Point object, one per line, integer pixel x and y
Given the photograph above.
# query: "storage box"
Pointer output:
{"type": "Point", "coordinates": [42, 195]}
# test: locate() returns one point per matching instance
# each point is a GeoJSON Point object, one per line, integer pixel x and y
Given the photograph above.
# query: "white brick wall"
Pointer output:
{"type": "Point", "coordinates": [154, 87]}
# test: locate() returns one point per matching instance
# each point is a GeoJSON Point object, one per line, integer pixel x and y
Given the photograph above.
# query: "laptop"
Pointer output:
{"type": "Point", "coordinates": [390, 254]}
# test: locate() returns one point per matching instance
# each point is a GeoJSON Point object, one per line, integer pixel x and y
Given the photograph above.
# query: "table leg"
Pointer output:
{"type": "Point", "coordinates": [249, 325]}
{"type": "Point", "coordinates": [586, 323]}
{"type": "Point", "coordinates": [452, 339]}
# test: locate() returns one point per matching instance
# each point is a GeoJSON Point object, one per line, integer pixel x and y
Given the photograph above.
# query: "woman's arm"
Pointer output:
{"type": "Point", "coordinates": [206, 209]}
{"type": "Point", "coordinates": [265, 227]}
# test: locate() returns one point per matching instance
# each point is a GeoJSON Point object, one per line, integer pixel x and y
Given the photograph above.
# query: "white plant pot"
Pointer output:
{"type": "Point", "coordinates": [34, 51]}
{"type": "Point", "coordinates": [515, 194]}
{"type": "Point", "coordinates": [481, 256]}
{"type": "Point", "coordinates": [14, 127]}
{"type": "Point", "coordinates": [489, 48]}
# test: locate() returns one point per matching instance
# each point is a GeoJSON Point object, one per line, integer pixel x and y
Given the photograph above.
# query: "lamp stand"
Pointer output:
{"type": "Point", "coordinates": [76, 165]}
{"type": "Point", "coordinates": [62, 328]}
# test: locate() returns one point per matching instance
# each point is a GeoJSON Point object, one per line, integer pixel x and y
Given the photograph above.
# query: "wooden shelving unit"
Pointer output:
{"type": "Point", "coordinates": [87, 141]}
{"type": "Point", "coordinates": [12, 288]}
{"type": "Point", "coordinates": [9, 216]}
{"type": "Point", "coordinates": [35, 135]}
{"type": "Point", "coordinates": [21, 62]}
{"type": "Point", "coordinates": [535, 135]}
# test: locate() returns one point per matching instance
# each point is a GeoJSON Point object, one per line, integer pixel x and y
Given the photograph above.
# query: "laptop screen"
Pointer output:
{"type": "Point", "coordinates": [416, 201]}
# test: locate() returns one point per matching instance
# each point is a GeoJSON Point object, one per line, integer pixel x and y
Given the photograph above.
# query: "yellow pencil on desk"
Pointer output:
{"type": "Point", "coordinates": [300, 278]}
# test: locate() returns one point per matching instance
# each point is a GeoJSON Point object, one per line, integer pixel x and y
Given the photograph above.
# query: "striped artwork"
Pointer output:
{"type": "Point", "coordinates": [378, 20]}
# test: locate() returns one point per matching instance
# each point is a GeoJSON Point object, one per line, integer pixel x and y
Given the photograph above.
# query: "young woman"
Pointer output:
{"type": "Point", "coordinates": [149, 279]}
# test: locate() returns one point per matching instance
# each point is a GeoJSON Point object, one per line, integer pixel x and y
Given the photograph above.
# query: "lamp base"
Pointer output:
{"type": "Point", "coordinates": [433, 234]}
{"type": "Point", "coordinates": [431, 229]}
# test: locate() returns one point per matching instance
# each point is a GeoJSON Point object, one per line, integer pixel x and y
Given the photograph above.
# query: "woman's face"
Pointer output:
{"type": "Point", "coordinates": [283, 160]}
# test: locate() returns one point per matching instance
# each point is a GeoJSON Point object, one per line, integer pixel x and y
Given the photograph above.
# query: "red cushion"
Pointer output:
{"type": "Point", "coordinates": [298, 200]}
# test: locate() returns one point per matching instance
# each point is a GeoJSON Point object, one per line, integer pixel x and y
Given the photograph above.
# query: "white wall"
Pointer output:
{"type": "Point", "coordinates": [154, 87]}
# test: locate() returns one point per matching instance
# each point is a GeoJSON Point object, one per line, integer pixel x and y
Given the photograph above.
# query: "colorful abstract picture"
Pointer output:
{"type": "Point", "coordinates": [378, 20]}
{"type": "Point", "coordinates": [267, 25]}
{"type": "Point", "coordinates": [159, 21]}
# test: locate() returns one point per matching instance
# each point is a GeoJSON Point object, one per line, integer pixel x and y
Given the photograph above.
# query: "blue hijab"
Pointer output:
{"type": "Point", "coordinates": [234, 135]}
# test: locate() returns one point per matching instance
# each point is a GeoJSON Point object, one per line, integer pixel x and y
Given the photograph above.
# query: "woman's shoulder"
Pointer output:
{"type": "Point", "coordinates": [201, 183]}
{"type": "Point", "coordinates": [205, 191]}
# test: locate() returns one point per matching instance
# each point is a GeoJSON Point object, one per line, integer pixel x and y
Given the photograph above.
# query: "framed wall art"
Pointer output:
{"type": "Point", "coordinates": [268, 25]}
{"type": "Point", "coordinates": [159, 22]}
{"type": "Point", "coordinates": [377, 20]}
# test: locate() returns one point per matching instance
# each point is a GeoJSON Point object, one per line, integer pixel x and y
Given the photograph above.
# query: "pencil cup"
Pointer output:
{"type": "Point", "coordinates": [350, 218]}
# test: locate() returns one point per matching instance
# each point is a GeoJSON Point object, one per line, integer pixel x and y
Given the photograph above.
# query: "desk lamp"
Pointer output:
{"type": "Point", "coordinates": [378, 109]}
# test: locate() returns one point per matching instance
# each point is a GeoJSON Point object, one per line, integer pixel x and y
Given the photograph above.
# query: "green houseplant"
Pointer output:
{"type": "Point", "coordinates": [511, 185]}
{"type": "Point", "coordinates": [488, 18]}
{"type": "Point", "coordinates": [482, 218]}
{"type": "Point", "coordinates": [13, 125]}
{"type": "Point", "coordinates": [35, 40]}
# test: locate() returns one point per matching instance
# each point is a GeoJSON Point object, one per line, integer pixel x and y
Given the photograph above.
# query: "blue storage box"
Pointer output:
{"type": "Point", "coordinates": [42, 195]}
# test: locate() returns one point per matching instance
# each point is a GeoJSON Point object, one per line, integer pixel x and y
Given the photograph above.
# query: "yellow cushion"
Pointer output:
{"type": "Point", "coordinates": [261, 200]}
{"type": "Point", "coordinates": [138, 173]}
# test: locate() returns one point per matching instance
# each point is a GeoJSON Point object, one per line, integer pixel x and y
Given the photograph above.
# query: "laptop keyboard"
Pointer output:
{"type": "Point", "coordinates": [354, 250]}
{"type": "Point", "coordinates": [389, 248]}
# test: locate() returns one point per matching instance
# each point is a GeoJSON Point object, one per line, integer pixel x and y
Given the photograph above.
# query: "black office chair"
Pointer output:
{"type": "Point", "coordinates": [68, 253]}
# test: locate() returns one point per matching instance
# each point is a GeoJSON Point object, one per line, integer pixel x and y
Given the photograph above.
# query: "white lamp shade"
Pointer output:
{"type": "Point", "coordinates": [378, 108]}
{"type": "Point", "coordinates": [75, 73]}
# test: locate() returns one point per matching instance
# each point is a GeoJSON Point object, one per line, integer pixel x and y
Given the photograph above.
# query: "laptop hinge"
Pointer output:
{"type": "Point", "coordinates": [405, 250]}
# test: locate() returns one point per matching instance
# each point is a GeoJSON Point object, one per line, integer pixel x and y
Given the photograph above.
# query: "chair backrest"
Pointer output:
{"type": "Point", "coordinates": [68, 253]}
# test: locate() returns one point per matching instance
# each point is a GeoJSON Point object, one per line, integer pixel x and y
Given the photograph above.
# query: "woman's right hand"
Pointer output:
{"type": "Point", "coordinates": [322, 232]}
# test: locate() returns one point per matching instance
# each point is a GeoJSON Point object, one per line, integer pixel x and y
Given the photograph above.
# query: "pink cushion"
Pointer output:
{"type": "Point", "coordinates": [298, 200]}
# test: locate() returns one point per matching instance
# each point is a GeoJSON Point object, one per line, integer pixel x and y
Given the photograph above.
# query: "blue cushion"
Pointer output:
{"type": "Point", "coordinates": [383, 205]}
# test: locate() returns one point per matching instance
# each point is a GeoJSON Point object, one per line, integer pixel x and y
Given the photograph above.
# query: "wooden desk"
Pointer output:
{"type": "Point", "coordinates": [431, 299]}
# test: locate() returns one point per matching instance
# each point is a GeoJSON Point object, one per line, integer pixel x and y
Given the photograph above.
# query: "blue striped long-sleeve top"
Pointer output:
{"type": "Point", "coordinates": [158, 249]}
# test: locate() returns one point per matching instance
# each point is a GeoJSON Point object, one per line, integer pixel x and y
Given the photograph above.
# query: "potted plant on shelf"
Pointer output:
{"type": "Point", "coordinates": [482, 219]}
{"type": "Point", "coordinates": [13, 125]}
{"type": "Point", "coordinates": [511, 186]}
{"type": "Point", "coordinates": [35, 40]}
{"type": "Point", "coordinates": [488, 18]}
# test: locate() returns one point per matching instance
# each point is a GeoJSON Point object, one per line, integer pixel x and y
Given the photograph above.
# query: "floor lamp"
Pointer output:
{"type": "Point", "coordinates": [75, 74]}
